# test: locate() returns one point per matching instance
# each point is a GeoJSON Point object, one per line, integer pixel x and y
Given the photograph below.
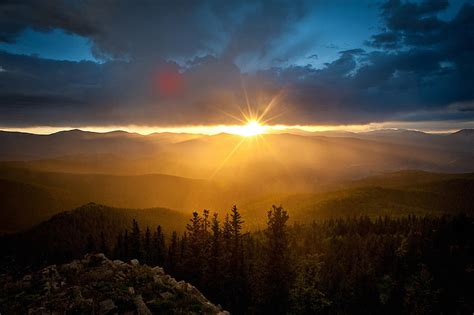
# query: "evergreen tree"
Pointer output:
{"type": "Point", "coordinates": [195, 256]}
{"type": "Point", "coordinates": [277, 270]}
{"type": "Point", "coordinates": [126, 245]}
{"type": "Point", "coordinates": [226, 244]}
{"type": "Point", "coordinates": [205, 221]}
{"type": "Point", "coordinates": [227, 233]}
{"type": "Point", "coordinates": [135, 241]}
{"type": "Point", "coordinates": [214, 278]}
{"type": "Point", "coordinates": [183, 263]}
{"type": "Point", "coordinates": [236, 236]}
{"type": "Point", "coordinates": [159, 246]}
{"type": "Point", "coordinates": [148, 253]}
{"type": "Point", "coordinates": [172, 256]}
{"type": "Point", "coordinates": [195, 227]}
{"type": "Point", "coordinates": [306, 295]}
{"type": "Point", "coordinates": [216, 243]}
{"type": "Point", "coordinates": [235, 270]}
{"type": "Point", "coordinates": [236, 223]}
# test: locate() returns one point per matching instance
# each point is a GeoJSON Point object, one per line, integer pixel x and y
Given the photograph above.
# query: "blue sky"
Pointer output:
{"type": "Point", "coordinates": [325, 29]}
{"type": "Point", "coordinates": [53, 44]}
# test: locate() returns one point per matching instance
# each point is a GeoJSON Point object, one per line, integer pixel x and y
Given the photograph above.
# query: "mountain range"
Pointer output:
{"type": "Point", "coordinates": [186, 172]}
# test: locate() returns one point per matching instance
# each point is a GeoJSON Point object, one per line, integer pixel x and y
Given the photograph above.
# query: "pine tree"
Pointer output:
{"type": "Point", "coordinates": [277, 270]}
{"type": "Point", "coordinates": [195, 256]}
{"type": "Point", "coordinates": [195, 227]}
{"type": "Point", "coordinates": [135, 239]}
{"type": "Point", "coordinates": [236, 223]}
{"type": "Point", "coordinates": [172, 256]}
{"type": "Point", "coordinates": [148, 253]}
{"type": "Point", "coordinates": [236, 271]}
{"type": "Point", "coordinates": [183, 262]}
{"type": "Point", "coordinates": [227, 246]}
{"type": "Point", "coordinates": [216, 242]}
{"type": "Point", "coordinates": [306, 295]}
{"type": "Point", "coordinates": [159, 246]}
{"type": "Point", "coordinates": [236, 236]}
{"type": "Point", "coordinates": [227, 233]}
{"type": "Point", "coordinates": [126, 245]}
{"type": "Point", "coordinates": [214, 278]}
{"type": "Point", "coordinates": [205, 221]}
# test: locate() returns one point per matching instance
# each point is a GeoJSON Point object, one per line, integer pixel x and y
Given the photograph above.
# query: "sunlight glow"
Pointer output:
{"type": "Point", "coordinates": [428, 127]}
{"type": "Point", "coordinates": [252, 128]}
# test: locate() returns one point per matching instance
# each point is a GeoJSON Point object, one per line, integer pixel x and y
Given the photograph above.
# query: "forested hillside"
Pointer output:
{"type": "Point", "coordinates": [23, 205]}
{"type": "Point", "coordinates": [66, 235]}
{"type": "Point", "coordinates": [399, 193]}
{"type": "Point", "coordinates": [29, 197]}
{"type": "Point", "coordinates": [393, 194]}
{"type": "Point", "coordinates": [357, 265]}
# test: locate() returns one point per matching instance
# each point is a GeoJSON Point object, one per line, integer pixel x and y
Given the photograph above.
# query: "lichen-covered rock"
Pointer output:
{"type": "Point", "coordinates": [106, 306]}
{"type": "Point", "coordinates": [96, 285]}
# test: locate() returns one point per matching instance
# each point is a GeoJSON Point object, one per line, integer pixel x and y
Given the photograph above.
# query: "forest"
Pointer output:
{"type": "Point", "coordinates": [410, 264]}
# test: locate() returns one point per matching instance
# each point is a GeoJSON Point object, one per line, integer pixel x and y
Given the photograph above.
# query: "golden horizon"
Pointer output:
{"type": "Point", "coordinates": [250, 128]}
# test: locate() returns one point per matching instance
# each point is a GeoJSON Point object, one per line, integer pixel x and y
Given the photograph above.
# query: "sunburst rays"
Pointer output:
{"type": "Point", "coordinates": [253, 125]}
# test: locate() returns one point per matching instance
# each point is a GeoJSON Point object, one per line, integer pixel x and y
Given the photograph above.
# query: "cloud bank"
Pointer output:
{"type": "Point", "coordinates": [189, 62]}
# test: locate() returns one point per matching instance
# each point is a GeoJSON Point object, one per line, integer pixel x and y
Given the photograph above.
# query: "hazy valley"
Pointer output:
{"type": "Point", "coordinates": [190, 172]}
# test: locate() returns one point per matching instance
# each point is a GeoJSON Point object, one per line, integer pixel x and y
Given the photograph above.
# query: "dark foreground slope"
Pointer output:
{"type": "Point", "coordinates": [30, 197]}
{"type": "Point", "coordinates": [66, 235]}
{"type": "Point", "coordinates": [22, 205]}
{"type": "Point", "coordinates": [96, 285]}
{"type": "Point", "coordinates": [355, 265]}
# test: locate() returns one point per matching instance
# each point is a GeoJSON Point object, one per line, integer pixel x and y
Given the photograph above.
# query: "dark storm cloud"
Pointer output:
{"type": "Point", "coordinates": [152, 29]}
{"type": "Point", "coordinates": [417, 67]}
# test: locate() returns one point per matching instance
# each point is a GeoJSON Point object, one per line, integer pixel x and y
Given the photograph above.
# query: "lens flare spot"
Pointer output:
{"type": "Point", "coordinates": [169, 82]}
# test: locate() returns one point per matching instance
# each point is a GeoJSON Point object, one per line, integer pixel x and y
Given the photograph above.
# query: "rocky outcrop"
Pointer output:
{"type": "Point", "coordinates": [97, 285]}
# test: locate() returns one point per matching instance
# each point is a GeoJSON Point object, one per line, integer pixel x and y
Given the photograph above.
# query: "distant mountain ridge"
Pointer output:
{"type": "Point", "coordinates": [274, 159]}
{"type": "Point", "coordinates": [187, 172]}
{"type": "Point", "coordinates": [18, 145]}
{"type": "Point", "coordinates": [464, 132]}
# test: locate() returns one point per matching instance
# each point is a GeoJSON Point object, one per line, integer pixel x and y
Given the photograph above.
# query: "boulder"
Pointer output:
{"type": "Point", "coordinates": [167, 295]}
{"type": "Point", "coordinates": [159, 270]}
{"type": "Point", "coordinates": [106, 306]}
{"type": "Point", "coordinates": [96, 285]}
{"type": "Point", "coordinates": [142, 309]}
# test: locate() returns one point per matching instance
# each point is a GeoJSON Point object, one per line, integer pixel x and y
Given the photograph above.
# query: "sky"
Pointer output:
{"type": "Point", "coordinates": [169, 65]}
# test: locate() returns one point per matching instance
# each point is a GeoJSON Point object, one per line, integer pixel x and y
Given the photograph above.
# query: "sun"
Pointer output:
{"type": "Point", "coordinates": [252, 128]}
